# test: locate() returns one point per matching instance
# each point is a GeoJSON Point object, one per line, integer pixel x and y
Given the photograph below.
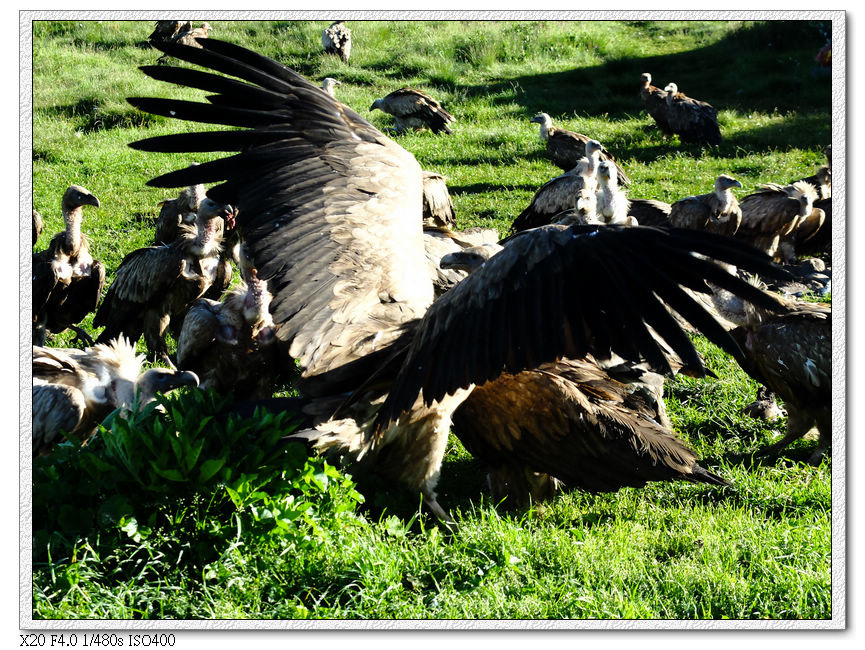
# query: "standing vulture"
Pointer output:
{"type": "Point", "coordinates": [74, 390]}
{"type": "Point", "coordinates": [230, 345]}
{"type": "Point", "coordinates": [693, 120]}
{"type": "Point", "coordinates": [67, 281]}
{"type": "Point", "coordinates": [566, 148]}
{"type": "Point", "coordinates": [655, 100]}
{"type": "Point", "coordinates": [716, 212]}
{"type": "Point", "coordinates": [332, 217]}
{"type": "Point", "coordinates": [574, 190]}
{"type": "Point", "coordinates": [336, 39]}
{"type": "Point", "coordinates": [156, 284]}
{"type": "Point", "coordinates": [771, 216]}
{"type": "Point", "coordinates": [414, 109]}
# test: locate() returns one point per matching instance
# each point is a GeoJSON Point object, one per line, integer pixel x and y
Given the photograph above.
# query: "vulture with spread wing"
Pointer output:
{"type": "Point", "coordinates": [772, 216]}
{"type": "Point", "coordinates": [655, 100]}
{"type": "Point", "coordinates": [414, 109]}
{"type": "Point", "coordinates": [567, 148]}
{"type": "Point", "coordinates": [336, 39]}
{"type": "Point", "coordinates": [67, 281]}
{"type": "Point", "coordinates": [716, 212]}
{"type": "Point", "coordinates": [74, 390]}
{"type": "Point", "coordinates": [156, 285]}
{"type": "Point", "coordinates": [693, 120]}
{"type": "Point", "coordinates": [330, 210]}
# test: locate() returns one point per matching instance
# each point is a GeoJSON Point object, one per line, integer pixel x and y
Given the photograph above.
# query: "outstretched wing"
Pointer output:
{"type": "Point", "coordinates": [330, 209]}
{"type": "Point", "coordinates": [557, 291]}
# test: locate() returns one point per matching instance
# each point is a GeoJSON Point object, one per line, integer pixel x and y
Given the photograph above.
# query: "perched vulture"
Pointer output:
{"type": "Point", "coordinates": [438, 209]}
{"type": "Point", "coordinates": [612, 204]}
{"type": "Point", "coordinates": [174, 212]}
{"type": "Point", "coordinates": [74, 390]}
{"type": "Point", "coordinates": [566, 148]}
{"type": "Point", "coordinates": [791, 354]}
{"type": "Point", "coordinates": [336, 39]}
{"type": "Point", "coordinates": [716, 212]}
{"type": "Point", "coordinates": [168, 30]}
{"type": "Point", "coordinates": [188, 38]}
{"type": "Point", "coordinates": [230, 345]}
{"type": "Point", "coordinates": [649, 212]}
{"type": "Point", "coordinates": [330, 210]}
{"type": "Point", "coordinates": [772, 215]}
{"type": "Point", "coordinates": [37, 226]}
{"type": "Point", "coordinates": [655, 100]}
{"type": "Point", "coordinates": [574, 190]}
{"type": "Point", "coordinates": [329, 85]}
{"type": "Point", "coordinates": [67, 281]}
{"type": "Point", "coordinates": [414, 109]}
{"type": "Point", "coordinates": [693, 120]}
{"type": "Point", "coordinates": [156, 284]}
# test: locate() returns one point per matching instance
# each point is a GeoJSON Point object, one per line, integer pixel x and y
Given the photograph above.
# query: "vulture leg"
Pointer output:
{"type": "Point", "coordinates": [155, 327]}
{"type": "Point", "coordinates": [429, 498]}
{"type": "Point", "coordinates": [80, 336]}
{"type": "Point", "coordinates": [798, 424]}
{"type": "Point", "coordinates": [512, 483]}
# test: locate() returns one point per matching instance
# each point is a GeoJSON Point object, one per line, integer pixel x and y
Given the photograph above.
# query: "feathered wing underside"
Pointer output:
{"type": "Point", "coordinates": [330, 208]}
{"type": "Point", "coordinates": [529, 306]}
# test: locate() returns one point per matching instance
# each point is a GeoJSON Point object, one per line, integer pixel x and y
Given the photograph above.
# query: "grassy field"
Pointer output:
{"type": "Point", "coordinates": [236, 544]}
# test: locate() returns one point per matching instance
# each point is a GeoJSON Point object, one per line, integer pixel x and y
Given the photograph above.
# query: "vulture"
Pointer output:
{"type": "Point", "coordinates": [74, 390]}
{"type": "Point", "coordinates": [330, 211]}
{"type": "Point", "coordinates": [566, 148]}
{"type": "Point", "coordinates": [168, 30]}
{"type": "Point", "coordinates": [188, 38]}
{"type": "Point", "coordinates": [414, 109]}
{"type": "Point", "coordinates": [442, 243]}
{"type": "Point", "coordinates": [574, 190]}
{"type": "Point", "coordinates": [716, 212]}
{"type": "Point", "coordinates": [649, 212]}
{"type": "Point", "coordinates": [37, 226]}
{"type": "Point", "coordinates": [230, 345]}
{"type": "Point", "coordinates": [438, 209]}
{"type": "Point", "coordinates": [156, 284]}
{"type": "Point", "coordinates": [693, 120]}
{"type": "Point", "coordinates": [806, 242]}
{"type": "Point", "coordinates": [822, 179]}
{"type": "Point", "coordinates": [655, 100]}
{"type": "Point", "coordinates": [790, 353]}
{"type": "Point", "coordinates": [336, 39]}
{"type": "Point", "coordinates": [612, 204]}
{"type": "Point", "coordinates": [67, 281]}
{"type": "Point", "coordinates": [329, 85]}
{"type": "Point", "coordinates": [771, 216]}
{"type": "Point", "coordinates": [174, 212]}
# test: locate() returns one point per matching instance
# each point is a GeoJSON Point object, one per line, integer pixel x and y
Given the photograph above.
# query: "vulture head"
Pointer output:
{"type": "Point", "coordinates": [805, 193]}
{"type": "Point", "coordinates": [377, 104]}
{"type": "Point", "coordinates": [545, 121]}
{"type": "Point", "coordinates": [76, 197]}
{"type": "Point", "coordinates": [329, 84]}
{"type": "Point", "coordinates": [646, 78]}
{"type": "Point", "coordinates": [158, 380]}
{"type": "Point", "coordinates": [606, 174]}
{"type": "Point", "coordinates": [206, 28]}
{"type": "Point", "coordinates": [209, 209]}
{"type": "Point", "coordinates": [724, 183]}
{"type": "Point", "coordinates": [469, 259]}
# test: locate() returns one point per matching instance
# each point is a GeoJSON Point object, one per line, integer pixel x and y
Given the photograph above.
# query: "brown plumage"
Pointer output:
{"type": "Point", "coordinates": [188, 38]}
{"type": "Point", "coordinates": [74, 390]}
{"type": "Point", "coordinates": [331, 211]}
{"type": "Point", "coordinates": [174, 212]}
{"type": "Point", "coordinates": [655, 101]}
{"type": "Point", "coordinates": [67, 281]}
{"type": "Point", "coordinates": [336, 39]}
{"type": "Point", "coordinates": [168, 30]}
{"type": "Point", "coordinates": [438, 209]}
{"type": "Point", "coordinates": [791, 354]}
{"type": "Point", "coordinates": [37, 226]}
{"type": "Point", "coordinates": [693, 120]}
{"type": "Point", "coordinates": [770, 217]}
{"type": "Point", "coordinates": [154, 285]}
{"type": "Point", "coordinates": [716, 212]}
{"type": "Point", "coordinates": [231, 345]}
{"type": "Point", "coordinates": [414, 109]}
{"type": "Point", "coordinates": [649, 212]}
{"type": "Point", "coordinates": [566, 148]}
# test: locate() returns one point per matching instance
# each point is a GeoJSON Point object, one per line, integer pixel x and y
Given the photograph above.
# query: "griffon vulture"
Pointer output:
{"type": "Point", "coordinates": [414, 109]}
{"type": "Point", "coordinates": [771, 216]}
{"type": "Point", "coordinates": [716, 212]}
{"type": "Point", "coordinates": [693, 120]}
{"type": "Point", "coordinates": [74, 390]}
{"type": "Point", "coordinates": [156, 284]}
{"type": "Point", "coordinates": [566, 148]}
{"type": "Point", "coordinates": [329, 85]}
{"type": "Point", "coordinates": [230, 345]}
{"type": "Point", "coordinates": [612, 205]}
{"type": "Point", "coordinates": [331, 216]}
{"type": "Point", "coordinates": [67, 281]}
{"type": "Point", "coordinates": [336, 39]}
{"type": "Point", "coordinates": [655, 100]}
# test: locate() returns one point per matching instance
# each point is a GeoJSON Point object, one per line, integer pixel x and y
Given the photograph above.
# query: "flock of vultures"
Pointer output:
{"type": "Point", "coordinates": [405, 328]}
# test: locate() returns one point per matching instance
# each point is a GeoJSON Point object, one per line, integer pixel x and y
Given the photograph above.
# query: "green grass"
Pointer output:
{"type": "Point", "coordinates": [760, 549]}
